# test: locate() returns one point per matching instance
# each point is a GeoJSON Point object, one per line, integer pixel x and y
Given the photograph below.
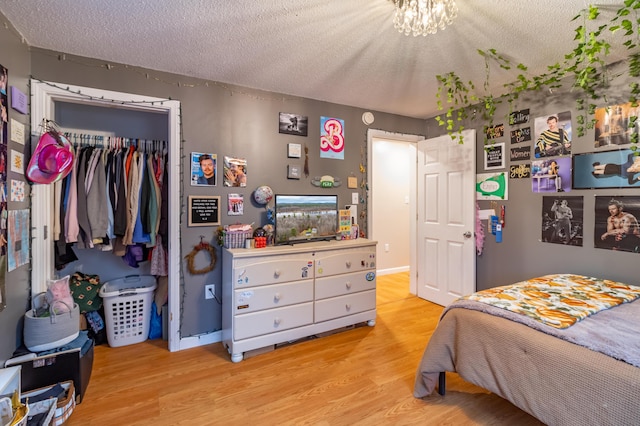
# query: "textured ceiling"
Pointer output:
{"type": "Point", "coordinates": [342, 51]}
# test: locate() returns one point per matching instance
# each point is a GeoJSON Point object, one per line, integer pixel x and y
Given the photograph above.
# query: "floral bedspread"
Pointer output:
{"type": "Point", "coordinates": [558, 300]}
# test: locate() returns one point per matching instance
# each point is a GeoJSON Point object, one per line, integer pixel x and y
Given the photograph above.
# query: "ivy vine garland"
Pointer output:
{"type": "Point", "coordinates": [213, 256]}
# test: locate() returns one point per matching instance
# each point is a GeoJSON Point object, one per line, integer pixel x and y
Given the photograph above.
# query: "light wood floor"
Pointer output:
{"type": "Point", "coordinates": [362, 376]}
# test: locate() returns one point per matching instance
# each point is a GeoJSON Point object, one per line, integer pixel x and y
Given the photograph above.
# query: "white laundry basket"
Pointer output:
{"type": "Point", "coordinates": [127, 308]}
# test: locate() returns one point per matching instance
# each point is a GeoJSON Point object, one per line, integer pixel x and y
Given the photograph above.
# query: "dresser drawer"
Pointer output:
{"type": "Point", "coordinates": [344, 261]}
{"type": "Point", "coordinates": [272, 320]}
{"type": "Point", "coordinates": [341, 306]}
{"type": "Point", "coordinates": [271, 270]}
{"type": "Point", "coordinates": [338, 285]}
{"type": "Point", "coordinates": [272, 296]}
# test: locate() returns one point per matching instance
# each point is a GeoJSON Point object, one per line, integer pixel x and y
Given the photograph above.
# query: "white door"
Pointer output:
{"type": "Point", "coordinates": [446, 218]}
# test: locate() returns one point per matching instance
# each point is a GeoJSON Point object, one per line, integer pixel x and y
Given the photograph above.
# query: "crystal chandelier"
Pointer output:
{"type": "Point", "coordinates": [423, 16]}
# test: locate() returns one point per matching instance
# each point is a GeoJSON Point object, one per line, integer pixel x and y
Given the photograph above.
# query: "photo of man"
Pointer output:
{"type": "Point", "coordinates": [553, 135]}
{"type": "Point", "coordinates": [617, 224]}
{"type": "Point", "coordinates": [235, 171]}
{"type": "Point", "coordinates": [613, 126]}
{"type": "Point", "coordinates": [203, 169]}
{"type": "Point", "coordinates": [606, 169]}
{"type": "Point", "coordinates": [562, 220]}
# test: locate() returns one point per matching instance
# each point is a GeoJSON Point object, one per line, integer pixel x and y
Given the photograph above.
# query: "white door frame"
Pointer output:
{"type": "Point", "coordinates": [381, 134]}
{"type": "Point", "coordinates": [43, 96]}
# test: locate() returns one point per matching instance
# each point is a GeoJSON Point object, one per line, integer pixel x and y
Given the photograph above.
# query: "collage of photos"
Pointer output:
{"type": "Point", "coordinates": [3, 158]}
{"type": "Point", "coordinates": [204, 172]}
{"type": "Point", "coordinates": [4, 76]}
{"type": "Point", "coordinates": [546, 156]}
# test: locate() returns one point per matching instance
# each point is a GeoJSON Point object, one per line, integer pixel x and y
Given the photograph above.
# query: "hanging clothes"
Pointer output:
{"type": "Point", "coordinates": [111, 200]}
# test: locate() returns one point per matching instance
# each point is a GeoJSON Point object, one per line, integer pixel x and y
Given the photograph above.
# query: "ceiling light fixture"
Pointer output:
{"type": "Point", "coordinates": [422, 17]}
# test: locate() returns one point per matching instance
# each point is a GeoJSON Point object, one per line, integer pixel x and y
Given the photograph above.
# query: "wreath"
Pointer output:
{"type": "Point", "coordinates": [192, 256]}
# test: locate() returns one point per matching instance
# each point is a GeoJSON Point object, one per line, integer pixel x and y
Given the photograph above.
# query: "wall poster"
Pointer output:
{"type": "Point", "coordinates": [562, 220]}
{"type": "Point", "coordinates": [553, 135]}
{"type": "Point", "coordinates": [4, 159]}
{"type": "Point", "coordinates": [235, 171]}
{"type": "Point", "coordinates": [18, 241]}
{"type": "Point", "coordinates": [616, 226]}
{"type": "Point", "coordinates": [614, 126]}
{"type": "Point", "coordinates": [235, 204]}
{"type": "Point", "coordinates": [551, 175]}
{"type": "Point", "coordinates": [204, 169]}
{"type": "Point", "coordinates": [492, 186]}
{"type": "Point", "coordinates": [331, 138]}
{"type": "Point", "coordinates": [606, 169]}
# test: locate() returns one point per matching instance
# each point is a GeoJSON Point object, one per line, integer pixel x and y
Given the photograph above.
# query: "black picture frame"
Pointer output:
{"type": "Point", "coordinates": [204, 210]}
{"type": "Point", "coordinates": [293, 124]}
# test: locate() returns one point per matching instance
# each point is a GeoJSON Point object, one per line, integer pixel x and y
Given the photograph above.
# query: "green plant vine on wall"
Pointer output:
{"type": "Point", "coordinates": [586, 64]}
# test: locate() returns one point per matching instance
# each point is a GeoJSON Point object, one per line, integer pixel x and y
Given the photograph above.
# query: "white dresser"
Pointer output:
{"type": "Point", "coordinates": [283, 293]}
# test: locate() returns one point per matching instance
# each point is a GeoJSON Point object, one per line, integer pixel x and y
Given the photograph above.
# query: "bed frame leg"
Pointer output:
{"type": "Point", "coordinates": [441, 383]}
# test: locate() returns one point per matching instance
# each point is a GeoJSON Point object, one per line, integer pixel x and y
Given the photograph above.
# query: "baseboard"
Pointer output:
{"type": "Point", "coordinates": [390, 271]}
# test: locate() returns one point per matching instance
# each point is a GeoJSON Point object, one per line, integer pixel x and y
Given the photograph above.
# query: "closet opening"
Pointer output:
{"type": "Point", "coordinates": [105, 125]}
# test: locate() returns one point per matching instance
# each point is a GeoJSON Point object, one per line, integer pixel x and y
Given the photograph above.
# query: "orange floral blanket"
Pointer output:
{"type": "Point", "coordinates": [558, 300]}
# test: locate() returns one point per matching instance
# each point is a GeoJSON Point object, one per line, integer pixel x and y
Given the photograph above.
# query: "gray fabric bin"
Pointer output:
{"type": "Point", "coordinates": [43, 334]}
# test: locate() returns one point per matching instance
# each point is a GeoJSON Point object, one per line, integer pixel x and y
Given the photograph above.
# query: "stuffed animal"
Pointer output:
{"type": "Point", "coordinates": [59, 295]}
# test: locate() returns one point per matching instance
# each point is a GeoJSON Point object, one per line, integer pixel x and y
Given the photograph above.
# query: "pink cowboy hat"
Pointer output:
{"type": "Point", "coordinates": [52, 160]}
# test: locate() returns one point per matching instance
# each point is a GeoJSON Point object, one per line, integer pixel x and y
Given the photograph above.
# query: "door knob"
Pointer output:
{"type": "Point", "coordinates": [467, 234]}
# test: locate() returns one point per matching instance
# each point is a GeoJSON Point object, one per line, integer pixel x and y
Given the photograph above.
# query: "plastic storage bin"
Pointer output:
{"type": "Point", "coordinates": [127, 308]}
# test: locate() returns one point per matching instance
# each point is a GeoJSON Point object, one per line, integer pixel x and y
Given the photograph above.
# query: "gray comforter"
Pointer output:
{"type": "Point", "coordinates": [557, 381]}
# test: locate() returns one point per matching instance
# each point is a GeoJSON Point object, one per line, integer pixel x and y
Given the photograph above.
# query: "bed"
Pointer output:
{"type": "Point", "coordinates": [583, 373]}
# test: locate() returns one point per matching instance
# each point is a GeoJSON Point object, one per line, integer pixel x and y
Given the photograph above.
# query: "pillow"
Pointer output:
{"type": "Point", "coordinates": [85, 289]}
{"type": "Point", "coordinates": [59, 296]}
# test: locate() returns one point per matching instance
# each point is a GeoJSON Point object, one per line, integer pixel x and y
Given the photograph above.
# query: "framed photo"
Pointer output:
{"type": "Point", "coordinates": [204, 169]}
{"type": "Point", "coordinates": [293, 124]}
{"type": "Point", "coordinates": [204, 210]}
{"type": "Point", "coordinates": [352, 182]}
{"type": "Point", "coordinates": [294, 150]}
{"type": "Point", "coordinates": [293, 171]}
{"type": "Point", "coordinates": [494, 156]}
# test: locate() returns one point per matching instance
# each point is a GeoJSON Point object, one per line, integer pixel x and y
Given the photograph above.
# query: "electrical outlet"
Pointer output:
{"type": "Point", "coordinates": [209, 291]}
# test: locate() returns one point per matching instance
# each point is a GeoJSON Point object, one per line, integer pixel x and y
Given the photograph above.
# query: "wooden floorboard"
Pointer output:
{"type": "Point", "coordinates": [361, 376]}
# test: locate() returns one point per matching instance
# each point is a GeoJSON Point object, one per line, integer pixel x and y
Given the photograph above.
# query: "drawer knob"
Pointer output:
{"type": "Point", "coordinates": [276, 297]}
{"type": "Point", "coordinates": [276, 322]}
{"type": "Point", "coordinates": [276, 273]}
{"type": "Point", "coordinates": [348, 264]}
{"type": "Point", "coordinates": [348, 306]}
{"type": "Point", "coordinates": [348, 285]}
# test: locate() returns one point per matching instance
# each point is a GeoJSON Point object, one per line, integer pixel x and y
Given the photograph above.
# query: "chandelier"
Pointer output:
{"type": "Point", "coordinates": [423, 16]}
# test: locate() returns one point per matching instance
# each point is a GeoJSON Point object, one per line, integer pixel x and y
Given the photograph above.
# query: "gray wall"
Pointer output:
{"type": "Point", "coordinates": [232, 121]}
{"type": "Point", "coordinates": [14, 55]}
{"type": "Point", "coordinates": [522, 254]}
